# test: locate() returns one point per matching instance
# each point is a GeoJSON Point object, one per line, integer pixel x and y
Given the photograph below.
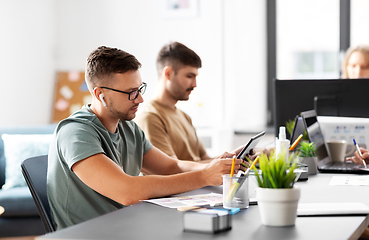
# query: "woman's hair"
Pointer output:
{"type": "Point", "coordinates": [363, 49]}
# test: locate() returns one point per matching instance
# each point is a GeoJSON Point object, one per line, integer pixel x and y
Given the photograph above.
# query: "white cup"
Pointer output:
{"type": "Point", "coordinates": [337, 150]}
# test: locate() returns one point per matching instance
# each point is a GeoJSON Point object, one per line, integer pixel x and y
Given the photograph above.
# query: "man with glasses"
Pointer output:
{"type": "Point", "coordinates": [98, 153]}
{"type": "Point", "coordinates": [167, 127]}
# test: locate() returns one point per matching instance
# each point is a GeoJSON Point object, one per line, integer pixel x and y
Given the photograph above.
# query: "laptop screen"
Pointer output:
{"type": "Point", "coordinates": [315, 135]}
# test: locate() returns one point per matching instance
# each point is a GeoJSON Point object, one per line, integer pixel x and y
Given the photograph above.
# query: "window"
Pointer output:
{"type": "Point", "coordinates": [359, 22]}
{"type": "Point", "coordinates": [307, 39]}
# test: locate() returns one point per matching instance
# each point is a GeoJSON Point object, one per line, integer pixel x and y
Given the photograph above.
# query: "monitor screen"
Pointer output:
{"type": "Point", "coordinates": [329, 97]}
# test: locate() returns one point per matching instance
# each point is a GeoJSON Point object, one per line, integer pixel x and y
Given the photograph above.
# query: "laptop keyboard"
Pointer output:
{"type": "Point", "coordinates": [340, 166]}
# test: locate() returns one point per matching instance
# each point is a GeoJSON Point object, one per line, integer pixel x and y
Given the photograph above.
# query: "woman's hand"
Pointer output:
{"type": "Point", "coordinates": [358, 159]}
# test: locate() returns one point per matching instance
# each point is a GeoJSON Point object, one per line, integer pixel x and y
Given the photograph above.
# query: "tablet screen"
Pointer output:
{"type": "Point", "coordinates": [251, 144]}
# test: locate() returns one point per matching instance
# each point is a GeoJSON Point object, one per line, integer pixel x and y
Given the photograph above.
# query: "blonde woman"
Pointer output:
{"type": "Point", "coordinates": [356, 62]}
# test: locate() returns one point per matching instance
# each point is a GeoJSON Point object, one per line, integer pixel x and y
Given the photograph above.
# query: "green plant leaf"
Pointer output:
{"type": "Point", "coordinates": [307, 149]}
{"type": "Point", "coordinates": [270, 177]}
{"type": "Point", "coordinates": [290, 124]}
{"type": "Point", "coordinates": [258, 178]}
{"type": "Point", "coordinates": [260, 183]}
{"type": "Point", "coordinates": [276, 171]}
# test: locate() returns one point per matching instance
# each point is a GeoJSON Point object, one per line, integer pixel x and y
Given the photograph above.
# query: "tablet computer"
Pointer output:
{"type": "Point", "coordinates": [250, 145]}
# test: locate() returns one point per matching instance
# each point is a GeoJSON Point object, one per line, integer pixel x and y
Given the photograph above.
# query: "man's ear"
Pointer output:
{"type": "Point", "coordinates": [168, 72]}
{"type": "Point", "coordinates": [96, 92]}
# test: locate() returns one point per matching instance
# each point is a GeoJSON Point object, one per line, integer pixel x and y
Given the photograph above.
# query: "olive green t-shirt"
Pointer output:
{"type": "Point", "coordinates": [76, 138]}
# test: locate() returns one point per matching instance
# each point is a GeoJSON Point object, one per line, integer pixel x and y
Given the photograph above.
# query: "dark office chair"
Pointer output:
{"type": "Point", "coordinates": [35, 172]}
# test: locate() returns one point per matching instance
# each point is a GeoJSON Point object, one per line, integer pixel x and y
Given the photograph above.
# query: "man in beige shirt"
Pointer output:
{"type": "Point", "coordinates": [167, 127]}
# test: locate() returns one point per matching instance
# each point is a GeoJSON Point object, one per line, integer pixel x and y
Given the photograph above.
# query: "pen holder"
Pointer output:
{"type": "Point", "coordinates": [235, 191]}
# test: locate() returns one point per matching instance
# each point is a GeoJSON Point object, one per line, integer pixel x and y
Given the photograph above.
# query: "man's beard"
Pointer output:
{"type": "Point", "coordinates": [183, 96]}
{"type": "Point", "coordinates": [124, 116]}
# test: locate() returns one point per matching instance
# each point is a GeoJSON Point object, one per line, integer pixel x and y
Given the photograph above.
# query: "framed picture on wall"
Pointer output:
{"type": "Point", "coordinates": [175, 9]}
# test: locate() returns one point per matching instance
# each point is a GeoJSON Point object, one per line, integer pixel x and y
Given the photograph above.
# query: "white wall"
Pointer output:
{"type": "Point", "coordinates": [27, 61]}
{"type": "Point", "coordinates": [245, 65]}
{"type": "Point", "coordinates": [139, 28]}
{"type": "Point", "coordinates": [49, 36]}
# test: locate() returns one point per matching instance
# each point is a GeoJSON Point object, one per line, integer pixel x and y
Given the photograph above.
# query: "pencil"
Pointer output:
{"type": "Point", "coordinates": [252, 165]}
{"type": "Point", "coordinates": [236, 185]}
{"type": "Point", "coordinates": [296, 142]}
{"type": "Point", "coordinates": [233, 162]}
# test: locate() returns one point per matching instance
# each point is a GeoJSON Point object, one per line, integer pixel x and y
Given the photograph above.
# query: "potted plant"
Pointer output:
{"type": "Point", "coordinates": [277, 197]}
{"type": "Point", "coordinates": [307, 155]}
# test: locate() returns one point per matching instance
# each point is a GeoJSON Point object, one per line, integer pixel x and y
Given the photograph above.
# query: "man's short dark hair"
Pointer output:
{"type": "Point", "coordinates": [177, 55]}
{"type": "Point", "coordinates": [104, 62]}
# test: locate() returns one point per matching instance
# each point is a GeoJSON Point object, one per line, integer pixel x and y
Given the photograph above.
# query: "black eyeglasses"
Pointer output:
{"type": "Point", "coordinates": [133, 94]}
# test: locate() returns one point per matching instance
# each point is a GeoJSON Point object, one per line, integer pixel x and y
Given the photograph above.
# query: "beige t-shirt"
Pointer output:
{"type": "Point", "coordinates": [171, 131]}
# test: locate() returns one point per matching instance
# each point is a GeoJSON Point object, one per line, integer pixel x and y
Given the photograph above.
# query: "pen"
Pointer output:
{"type": "Point", "coordinates": [296, 142]}
{"type": "Point", "coordinates": [358, 149]}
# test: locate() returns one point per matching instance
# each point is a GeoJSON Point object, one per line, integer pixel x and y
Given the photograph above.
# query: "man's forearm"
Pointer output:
{"type": "Point", "coordinates": [153, 186]}
{"type": "Point", "coordinates": [189, 166]}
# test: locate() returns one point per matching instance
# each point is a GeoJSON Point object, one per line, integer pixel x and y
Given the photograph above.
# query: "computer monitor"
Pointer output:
{"type": "Point", "coordinates": [329, 97]}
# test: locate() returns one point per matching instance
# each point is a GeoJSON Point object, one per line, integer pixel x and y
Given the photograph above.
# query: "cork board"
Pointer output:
{"type": "Point", "coordinates": [70, 94]}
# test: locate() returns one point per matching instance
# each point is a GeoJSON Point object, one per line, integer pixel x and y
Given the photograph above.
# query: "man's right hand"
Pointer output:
{"type": "Point", "coordinates": [214, 170]}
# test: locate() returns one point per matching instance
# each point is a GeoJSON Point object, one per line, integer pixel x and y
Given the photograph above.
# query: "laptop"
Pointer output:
{"type": "Point", "coordinates": [308, 124]}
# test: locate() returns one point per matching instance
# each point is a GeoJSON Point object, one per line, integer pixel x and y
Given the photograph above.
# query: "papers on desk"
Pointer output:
{"type": "Point", "coordinates": [332, 209]}
{"type": "Point", "coordinates": [350, 180]}
{"type": "Point", "coordinates": [211, 199]}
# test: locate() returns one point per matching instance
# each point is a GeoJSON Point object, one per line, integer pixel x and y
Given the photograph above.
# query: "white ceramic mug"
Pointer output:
{"type": "Point", "coordinates": [337, 150]}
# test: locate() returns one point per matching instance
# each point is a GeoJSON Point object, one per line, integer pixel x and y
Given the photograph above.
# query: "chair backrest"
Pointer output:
{"type": "Point", "coordinates": [35, 173]}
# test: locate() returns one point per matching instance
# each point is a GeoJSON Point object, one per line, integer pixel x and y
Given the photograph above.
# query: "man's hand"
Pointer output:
{"type": "Point", "coordinates": [251, 155]}
{"type": "Point", "coordinates": [219, 166]}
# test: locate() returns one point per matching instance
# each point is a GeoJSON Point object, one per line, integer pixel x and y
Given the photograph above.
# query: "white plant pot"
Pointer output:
{"type": "Point", "coordinates": [278, 206]}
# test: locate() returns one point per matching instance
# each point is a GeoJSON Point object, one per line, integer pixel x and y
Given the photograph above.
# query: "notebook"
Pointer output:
{"type": "Point", "coordinates": [308, 122]}
{"type": "Point", "coordinates": [332, 209]}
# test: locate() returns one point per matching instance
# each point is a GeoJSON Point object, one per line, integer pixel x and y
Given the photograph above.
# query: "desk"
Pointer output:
{"type": "Point", "coordinates": [146, 220]}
